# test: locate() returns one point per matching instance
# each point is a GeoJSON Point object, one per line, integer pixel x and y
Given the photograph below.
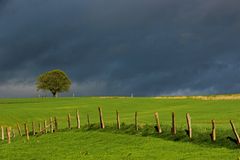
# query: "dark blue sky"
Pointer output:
{"type": "Point", "coordinates": [109, 47]}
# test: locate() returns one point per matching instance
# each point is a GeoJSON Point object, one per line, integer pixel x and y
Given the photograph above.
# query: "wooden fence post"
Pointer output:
{"type": "Point", "coordinates": [2, 129]}
{"type": "Point", "coordinates": [159, 130]}
{"type": "Point", "coordinates": [118, 120]}
{"type": "Point", "coordinates": [69, 121]}
{"type": "Point", "coordinates": [26, 131]}
{"type": "Point", "coordinates": [88, 120]}
{"type": "Point", "coordinates": [189, 126]}
{"type": "Point", "coordinates": [19, 129]}
{"type": "Point", "coordinates": [173, 129]}
{"type": "Point", "coordinates": [78, 119]}
{"type": "Point", "coordinates": [101, 118]}
{"type": "Point", "coordinates": [136, 121]}
{"type": "Point", "coordinates": [55, 124]}
{"type": "Point", "coordinates": [213, 133]}
{"type": "Point", "coordinates": [33, 129]}
{"type": "Point", "coordinates": [8, 130]}
{"type": "Point", "coordinates": [45, 126]}
{"type": "Point", "coordinates": [51, 125]}
{"type": "Point", "coordinates": [39, 127]}
{"type": "Point", "coordinates": [235, 132]}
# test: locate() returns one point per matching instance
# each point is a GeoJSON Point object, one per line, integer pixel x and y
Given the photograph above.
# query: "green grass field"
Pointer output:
{"type": "Point", "coordinates": [95, 143]}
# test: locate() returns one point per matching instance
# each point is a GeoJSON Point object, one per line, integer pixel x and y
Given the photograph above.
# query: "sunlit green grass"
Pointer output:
{"type": "Point", "coordinates": [110, 143]}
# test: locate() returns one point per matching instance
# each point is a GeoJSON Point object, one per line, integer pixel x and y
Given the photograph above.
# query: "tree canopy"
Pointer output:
{"type": "Point", "coordinates": [55, 81]}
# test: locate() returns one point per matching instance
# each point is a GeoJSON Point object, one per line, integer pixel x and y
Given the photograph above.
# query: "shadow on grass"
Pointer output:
{"type": "Point", "coordinates": [201, 136]}
{"type": "Point", "coordinates": [225, 138]}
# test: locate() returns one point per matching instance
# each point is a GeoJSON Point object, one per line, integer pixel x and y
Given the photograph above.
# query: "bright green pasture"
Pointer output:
{"type": "Point", "coordinates": [112, 144]}
{"type": "Point", "coordinates": [201, 111]}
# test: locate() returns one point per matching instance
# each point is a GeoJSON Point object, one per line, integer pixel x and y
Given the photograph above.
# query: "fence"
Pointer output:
{"type": "Point", "coordinates": [51, 126]}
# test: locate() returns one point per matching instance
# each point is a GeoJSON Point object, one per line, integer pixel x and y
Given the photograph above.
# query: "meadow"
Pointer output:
{"type": "Point", "coordinates": [126, 143]}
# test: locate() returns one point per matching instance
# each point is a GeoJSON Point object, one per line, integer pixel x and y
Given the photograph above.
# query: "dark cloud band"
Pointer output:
{"type": "Point", "coordinates": [119, 47]}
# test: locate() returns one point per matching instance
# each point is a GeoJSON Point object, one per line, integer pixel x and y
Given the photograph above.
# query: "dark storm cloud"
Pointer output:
{"type": "Point", "coordinates": [117, 47]}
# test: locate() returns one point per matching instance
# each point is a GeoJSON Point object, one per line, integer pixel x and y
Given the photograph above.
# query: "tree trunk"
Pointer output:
{"type": "Point", "coordinates": [54, 93]}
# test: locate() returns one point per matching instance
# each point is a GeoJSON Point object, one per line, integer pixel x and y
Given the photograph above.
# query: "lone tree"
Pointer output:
{"type": "Point", "coordinates": [55, 81]}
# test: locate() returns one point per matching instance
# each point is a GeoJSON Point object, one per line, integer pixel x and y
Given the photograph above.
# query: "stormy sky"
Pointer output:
{"type": "Point", "coordinates": [119, 47]}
